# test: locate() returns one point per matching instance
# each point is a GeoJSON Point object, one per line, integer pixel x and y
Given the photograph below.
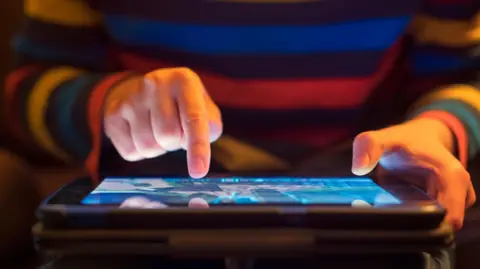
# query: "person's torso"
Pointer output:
{"type": "Point", "coordinates": [302, 70]}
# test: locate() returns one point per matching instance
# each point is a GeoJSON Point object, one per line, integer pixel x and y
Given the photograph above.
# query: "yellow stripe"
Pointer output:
{"type": "Point", "coordinates": [64, 12]}
{"type": "Point", "coordinates": [464, 93]}
{"type": "Point", "coordinates": [449, 33]}
{"type": "Point", "coordinates": [37, 104]}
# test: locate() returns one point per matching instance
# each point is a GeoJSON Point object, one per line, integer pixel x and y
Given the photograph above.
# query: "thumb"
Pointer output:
{"type": "Point", "coordinates": [368, 148]}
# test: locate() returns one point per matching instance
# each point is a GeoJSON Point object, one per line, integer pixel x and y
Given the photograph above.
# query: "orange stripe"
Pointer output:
{"type": "Point", "coordinates": [12, 108]}
{"type": "Point", "coordinates": [280, 94]}
{"type": "Point", "coordinates": [95, 121]}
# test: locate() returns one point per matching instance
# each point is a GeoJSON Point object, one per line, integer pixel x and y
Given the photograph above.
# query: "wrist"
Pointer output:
{"type": "Point", "coordinates": [448, 129]}
{"type": "Point", "coordinates": [437, 129]}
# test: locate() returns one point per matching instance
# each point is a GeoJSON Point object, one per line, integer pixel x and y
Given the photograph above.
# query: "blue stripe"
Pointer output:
{"type": "Point", "coordinates": [424, 63]}
{"type": "Point", "coordinates": [464, 113]}
{"type": "Point", "coordinates": [85, 56]}
{"type": "Point", "coordinates": [66, 96]}
{"type": "Point", "coordinates": [206, 39]}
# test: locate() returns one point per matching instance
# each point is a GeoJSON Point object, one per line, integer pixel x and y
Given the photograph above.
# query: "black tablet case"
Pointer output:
{"type": "Point", "coordinates": [226, 242]}
{"type": "Point", "coordinates": [436, 246]}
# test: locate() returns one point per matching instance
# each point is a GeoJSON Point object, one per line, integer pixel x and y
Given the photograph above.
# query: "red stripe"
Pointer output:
{"type": "Point", "coordinates": [95, 121]}
{"type": "Point", "coordinates": [12, 106]}
{"type": "Point", "coordinates": [279, 94]}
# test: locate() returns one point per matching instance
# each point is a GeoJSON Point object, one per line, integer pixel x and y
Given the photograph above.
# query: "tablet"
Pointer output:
{"type": "Point", "coordinates": [244, 202]}
{"type": "Point", "coordinates": [243, 191]}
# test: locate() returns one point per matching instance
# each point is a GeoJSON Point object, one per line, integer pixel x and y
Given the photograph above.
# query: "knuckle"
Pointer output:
{"type": "Point", "coordinates": [113, 121]}
{"type": "Point", "coordinates": [132, 157]}
{"type": "Point", "coordinates": [156, 75]}
{"type": "Point", "coordinates": [128, 111]}
{"type": "Point", "coordinates": [108, 126]}
{"type": "Point", "coordinates": [126, 152]}
{"type": "Point", "coordinates": [177, 72]}
{"type": "Point", "coordinates": [151, 76]}
{"type": "Point", "coordinates": [150, 85]}
{"type": "Point", "coordinates": [459, 172]}
{"type": "Point", "coordinates": [365, 139]}
{"type": "Point", "coordinates": [169, 140]}
{"type": "Point", "coordinates": [367, 136]}
{"type": "Point", "coordinates": [145, 144]}
{"type": "Point", "coordinates": [199, 146]}
{"type": "Point", "coordinates": [196, 117]}
{"type": "Point", "coordinates": [151, 152]}
{"type": "Point", "coordinates": [465, 177]}
{"type": "Point", "coordinates": [474, 201]}
{"type": "Point", "coordinates": [168, 136]}
{"type": "Point", "coordinates": [463, 173]}
{"type": "Point", "coordinates": [198, 140]}
{"type": "Point", "coordinates": [216, 130]}
{"type": "Point", "coordinates": [213, 111]}
{"type": "Point", "coordinates": [185, 73]}
{"type": "Point", "coordinates": [169, 131]}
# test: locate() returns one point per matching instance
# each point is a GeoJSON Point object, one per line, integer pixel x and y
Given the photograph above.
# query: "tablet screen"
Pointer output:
{"type": "Point", "coordinates": [243, 190]}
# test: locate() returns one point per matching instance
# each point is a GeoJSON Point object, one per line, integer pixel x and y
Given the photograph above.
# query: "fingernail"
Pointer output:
{"type": "Point", "coordinates": [361, 160]}
{"type": "Point", "coordinates": [155, 205]}
{"type": "Point", "coordinates": [361, 165]}
{"type": "Point", "coordinates": [198, 203]}
{"type": "Point", "coordinates": [133, 157]}
{"type": "Point", "coordinates": [134, 202]}
{"type": "Point", "coordinates": [148, 84]}
{"type": "Point", "coordinates": [365, 160]}
{"type": "Point", "coordinates": [197, 168]}
{"type": "Point", "coordinates": [360, 203]}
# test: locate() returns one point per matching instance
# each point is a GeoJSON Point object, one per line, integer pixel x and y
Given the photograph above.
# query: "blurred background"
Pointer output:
{"type": "Point", "coordinates": [10, 21]}
{"type": "Point", "coordinates": [10, 18]}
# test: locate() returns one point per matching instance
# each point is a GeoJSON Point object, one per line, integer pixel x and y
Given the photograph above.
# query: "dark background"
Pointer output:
{"type": "Point", "coordinates": [10, 20]}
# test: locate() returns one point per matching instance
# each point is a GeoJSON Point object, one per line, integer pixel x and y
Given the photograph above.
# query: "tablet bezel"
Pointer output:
{"type": "Point", "coordinates": [54, 213]}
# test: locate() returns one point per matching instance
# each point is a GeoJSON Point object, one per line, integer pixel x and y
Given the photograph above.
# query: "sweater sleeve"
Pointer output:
{"type": "Point", "coordinates": [445, 62]}
{"type": "Point", "coordinates": [54, 97]}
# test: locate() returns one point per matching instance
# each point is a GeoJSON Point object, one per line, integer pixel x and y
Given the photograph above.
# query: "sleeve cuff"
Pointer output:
{"type": "Point", "coordinates": [95, 112]}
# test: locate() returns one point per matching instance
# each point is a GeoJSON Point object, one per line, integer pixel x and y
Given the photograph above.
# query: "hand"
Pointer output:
{"type": "Point", "coordinates": [166, 110]}
{"type": "Point", "coordinates": [141, 202]}
{"type": "Point", "coordinates": [421, 146]}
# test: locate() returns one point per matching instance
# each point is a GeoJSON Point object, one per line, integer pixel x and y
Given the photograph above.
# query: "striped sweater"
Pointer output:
{"type": "Point", "coordinates": [307, 73]}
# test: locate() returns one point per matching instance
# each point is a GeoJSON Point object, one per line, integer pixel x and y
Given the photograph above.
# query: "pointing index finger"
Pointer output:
{"type": "Point", "coordinates": [189, 94]}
